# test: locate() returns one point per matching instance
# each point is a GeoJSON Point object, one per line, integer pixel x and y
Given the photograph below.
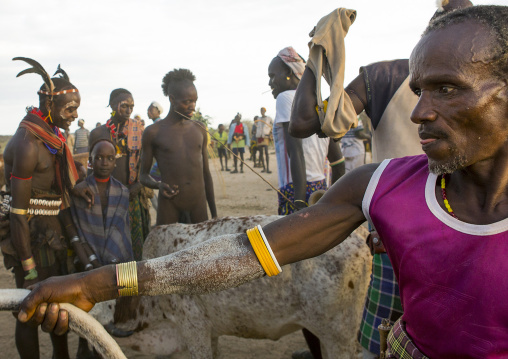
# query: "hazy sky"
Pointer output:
{"type": "Point", "coordinates": [228, 45]}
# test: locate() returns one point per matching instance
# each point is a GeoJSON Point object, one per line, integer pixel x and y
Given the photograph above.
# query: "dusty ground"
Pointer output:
{"type": "Point", "coordinates": [236, 195]}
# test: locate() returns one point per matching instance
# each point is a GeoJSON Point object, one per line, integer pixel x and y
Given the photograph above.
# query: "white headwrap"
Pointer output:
{"type": "Point", "coordinates": [291, 58]}
{"type": "Point", "coordinates": [157, 106]}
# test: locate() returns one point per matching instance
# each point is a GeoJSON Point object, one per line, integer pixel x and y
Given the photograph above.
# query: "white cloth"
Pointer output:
{"type": "Point", "coordinates": [263, 126]}
{"type": "Point", "coordinates": [315, 149]}
{"type": "Point", "coordinates": [283, 105]}
{"type": "Point", "coordinates": [327, 58]}
{"type": "Point", "coordinates": [353, 149]}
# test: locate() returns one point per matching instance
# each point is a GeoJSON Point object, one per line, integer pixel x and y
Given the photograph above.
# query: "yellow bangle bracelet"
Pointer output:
{"type": "Point", "coordinates": [255, 245]}
{"type": "Point", "coordinates": [278, 269]}
{"type": "Point", "coordinates": [263, 251]}
{"type": "Point", "coordinates": [259, 253]}
{"type": "Point", "coordinates": [127, 278]}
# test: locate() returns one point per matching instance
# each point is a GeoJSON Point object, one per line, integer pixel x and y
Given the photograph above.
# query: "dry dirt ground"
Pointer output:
{"type": "Point", "coordinates": [236, 195]}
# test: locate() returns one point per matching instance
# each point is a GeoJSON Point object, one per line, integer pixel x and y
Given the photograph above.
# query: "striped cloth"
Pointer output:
{"type": "Point", "coordinates": [400, 346]}
{"type": "Point", "coordinates": [285, 207]}
{"type": "Point", "coordinates": [108, 235]}
{"type": "Point", "coordinates": [383, 302]}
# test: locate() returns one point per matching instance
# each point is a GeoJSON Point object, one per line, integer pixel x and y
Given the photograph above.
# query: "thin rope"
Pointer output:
{"type": "Point", "coordinates": [249, 167]}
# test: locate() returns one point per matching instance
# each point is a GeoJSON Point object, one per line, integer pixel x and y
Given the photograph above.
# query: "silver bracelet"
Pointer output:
{"type": "Point", "coordinates": [88, 266]}
{"type": "Point", "coordinates": [92, 257]}
{"type": "Point", "coordinates": [74, 239]}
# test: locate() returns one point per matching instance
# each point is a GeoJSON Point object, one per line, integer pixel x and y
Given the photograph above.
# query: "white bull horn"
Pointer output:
{"type": "Point", "coordinates": [80, 322]}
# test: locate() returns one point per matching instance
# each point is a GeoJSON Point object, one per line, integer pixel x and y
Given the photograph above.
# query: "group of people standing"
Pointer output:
{"type": "Point", "coordinates": [237, 138]}
{"type": "Point", "coordinates": [99, 210]}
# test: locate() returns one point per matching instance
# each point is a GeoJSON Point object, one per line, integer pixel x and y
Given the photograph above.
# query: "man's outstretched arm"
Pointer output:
{"type": "Point", "coordinates": [220, 263]}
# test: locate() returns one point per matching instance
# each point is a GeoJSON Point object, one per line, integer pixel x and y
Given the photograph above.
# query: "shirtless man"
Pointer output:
{"type": "Point", "coordinates": [180, 147]}
{"type": "Point", "coordinates": [31, 172]}
{"type": "Point", "coordinates": [126, 133]}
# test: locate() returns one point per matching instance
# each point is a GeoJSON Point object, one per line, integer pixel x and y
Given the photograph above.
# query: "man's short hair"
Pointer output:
{"type": "Point", "coordinates": [117, 92]}
{"type": "Point", "coordinates": [157, 106]}
{"type": "Point", "coordinates": [173, 79]}
{"type": "Point", "coordinates": [81, 121]}
{"type": "Point", "coordinates": [491, 16]}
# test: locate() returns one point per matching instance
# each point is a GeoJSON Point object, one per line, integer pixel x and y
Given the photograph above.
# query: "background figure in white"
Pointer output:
{"type": "Point", "coordinates": [353, 148]}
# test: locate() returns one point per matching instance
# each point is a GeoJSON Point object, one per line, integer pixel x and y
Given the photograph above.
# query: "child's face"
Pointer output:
{"type": "Point", "coordinates": [103, 159]}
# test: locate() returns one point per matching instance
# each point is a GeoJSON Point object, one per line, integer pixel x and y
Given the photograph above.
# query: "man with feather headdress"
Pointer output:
{"type": "Point", "coordinates": [41, 173]}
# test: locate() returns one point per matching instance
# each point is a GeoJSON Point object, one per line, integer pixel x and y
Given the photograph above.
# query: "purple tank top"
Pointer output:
{"type": "Point", "coordinates": [453, 276]}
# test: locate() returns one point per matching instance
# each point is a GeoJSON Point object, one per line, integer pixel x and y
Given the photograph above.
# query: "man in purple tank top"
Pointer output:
{"type": "Point", "coordinates": [449, 206]}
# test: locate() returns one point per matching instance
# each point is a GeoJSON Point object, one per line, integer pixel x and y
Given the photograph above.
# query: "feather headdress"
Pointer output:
{"type": "Point", "coordinates": [49, 85]}
{"type": "Point", "coordinates": [59, 70]}
{"type": "Point", "coordinates": [37, 69]}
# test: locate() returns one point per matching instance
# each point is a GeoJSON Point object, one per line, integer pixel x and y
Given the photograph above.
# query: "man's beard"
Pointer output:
{"type": "Point", "coordinates": [455, 163]}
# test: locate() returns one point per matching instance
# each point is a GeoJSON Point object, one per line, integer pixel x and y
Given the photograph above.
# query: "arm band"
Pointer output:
{"type": "Point", "coordinates": [23, 179]}
{"type": "Point", "coordinates": [19, 211]}
{"type": "Point", "coordinates": [28, 264]}
{"type": "Point", "coordinates": [325, 107]}
{"type": "Point", "coordinates": [338, 162]}
{"type": "Point", "coordinates": [263, 251]}
{"type": "Point", "coordinates": [127, 278]}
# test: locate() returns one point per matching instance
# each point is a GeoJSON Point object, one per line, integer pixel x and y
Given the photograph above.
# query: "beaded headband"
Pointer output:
{"type": "Point", "coordinates": [63, 92]}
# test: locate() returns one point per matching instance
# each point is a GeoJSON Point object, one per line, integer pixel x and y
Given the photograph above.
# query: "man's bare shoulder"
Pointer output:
{"type": "Point", "coordinates": [23, 143]}
{"type": "Point", "coordinates": [153, 128]}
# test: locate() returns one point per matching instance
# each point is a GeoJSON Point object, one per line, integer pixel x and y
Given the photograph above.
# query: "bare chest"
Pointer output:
{"type": "Point", "coordinates": [173, 140]}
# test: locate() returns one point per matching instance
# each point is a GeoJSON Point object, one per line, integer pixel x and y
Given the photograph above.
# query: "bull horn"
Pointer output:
{"type": "Point", "coordinates": [80, 322]}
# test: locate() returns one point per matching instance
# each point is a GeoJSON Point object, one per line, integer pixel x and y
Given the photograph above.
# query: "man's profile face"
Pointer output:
{"type": "Point", "coordinates": [278, 73]}
{"type": "Point", "coordinates": [184, 99]}
{"type": "Point", "coordinates": [123, 105]}
{"type": "Point", "coordinates": [65, 109]}
{"type": "Point", "coordinates": [463, 106]}
{"type": "Point", "coordinates": [153, 113]}
{"type": "Point", "coordinates": [103, 159]}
